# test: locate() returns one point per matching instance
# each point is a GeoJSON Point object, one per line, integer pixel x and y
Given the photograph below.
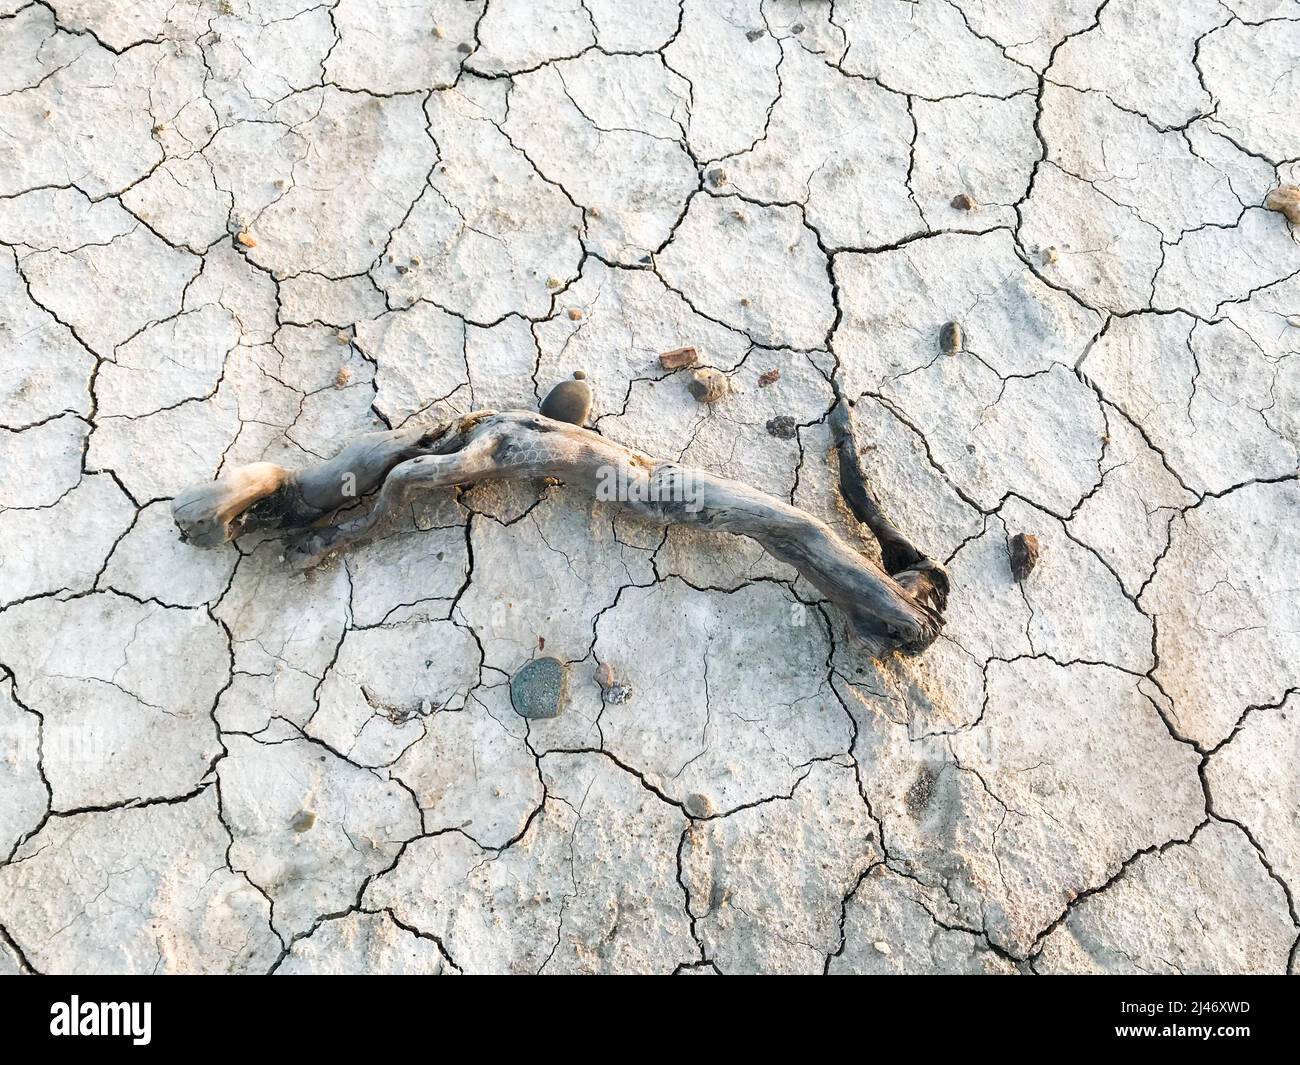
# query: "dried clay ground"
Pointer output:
{"type": "Point", "coordinates": [239, 230]}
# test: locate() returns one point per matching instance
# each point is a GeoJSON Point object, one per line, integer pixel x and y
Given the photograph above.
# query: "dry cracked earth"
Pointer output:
{"type": "Point", "coordinates": [236, 231]}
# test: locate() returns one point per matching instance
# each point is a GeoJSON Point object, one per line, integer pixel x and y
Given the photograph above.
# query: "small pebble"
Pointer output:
{"type": "Point", "coordinates": [569, 401]}
{"type": "Point", "coordinates": [439, 32]}
{"type": "Point", "coordinates": [882, 947]}
{"type": "Point", "coordinates": [717, 177]}
{"type": "Point", "coordinates": [1050, 255]}
{"type": "Point", "coordinates": [698, 805]}
{"type": "Point", "coordinates": [610, 690]}
{"type": "Point", "coordinates": [1024, 555]}
{"type": "Point", "coordinates": [1286, 199]}
{"type": "Point", "coordinates": [552, 282]}
{"type": "Point", "coordinates": [783, 427]}
{"type": "Point", "coordinates": [950, 338]}
{"type": "Point", "coordinates": [769, 377]}
{"type": "Point", "coordinates": [247, 239]}
{"type": "Point", "coordinates": [754, 35]}
{"type": "Point", "coordinates": [303, 820]}
{"type": "Point", "coordinates": [464, 48]}
{"type": "Point", "coordinates": [540, 689]}
{"type": "Point", "coordinates": [679, 357]}
{"type": "Point", "coordinates": [964, 201]}
{"type": "Point", "coordinates": [342, 338]}
{"type": "Point", "coordinates": [1294, 321]}
{"type": "Point", "coordinates": [798, 27]}
{"type": "Point", "coordinates": [707, 385]}
{"type": "Point", "coordinates": [575, 315]}
{"type": "Point", "coordinates": [745, 301]}
{"type": "Point", "coordinates": [616, 694]}
{"type": "Point", "coordinates": [342, 377]}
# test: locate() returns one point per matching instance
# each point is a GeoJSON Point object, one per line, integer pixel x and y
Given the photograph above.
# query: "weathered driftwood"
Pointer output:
{"type": "Point", "coordinates": [895, 610]}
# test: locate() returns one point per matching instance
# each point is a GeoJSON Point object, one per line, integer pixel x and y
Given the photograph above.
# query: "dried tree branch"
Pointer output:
{"type": "Point", "coordinates": [887, 611]}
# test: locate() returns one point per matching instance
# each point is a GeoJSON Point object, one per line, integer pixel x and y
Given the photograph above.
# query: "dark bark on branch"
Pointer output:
{"type": "Point", "coordinates": [896, 551]}
{"type": "Point", "coordinates": [924, 578]}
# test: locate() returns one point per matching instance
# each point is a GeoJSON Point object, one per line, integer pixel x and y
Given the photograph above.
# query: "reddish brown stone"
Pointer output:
{"type": "Point", "coordinates": [679, 357]}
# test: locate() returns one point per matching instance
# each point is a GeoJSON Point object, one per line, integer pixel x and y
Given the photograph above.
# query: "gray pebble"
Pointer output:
{"type": "Point", "coordinates": [569, 401]}
{"type": "Point", "coordinates": [950, 338]}
{"type": "Point", "coordinates": [540, 689]}
{"type": "Point", "coordinates": [616, 694]}
{"type": "Point", "coordinates": [783, 427]}
{"type": "Point", "coordinates": [698, 805]}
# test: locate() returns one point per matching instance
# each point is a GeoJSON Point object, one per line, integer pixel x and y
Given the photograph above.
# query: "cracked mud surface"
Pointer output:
{"type": "Point", "coordinates": [232, 232]}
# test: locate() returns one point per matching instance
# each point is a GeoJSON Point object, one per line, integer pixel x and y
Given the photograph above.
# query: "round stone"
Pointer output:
{"type": "Point", "coordinates": [540, 689]}
{"type": "Point", "coordinates": [699, 805]}
{"type": "Point", "coordinates": [707, 385]}
{"type": "Point", "coordinates": [569, 401]}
